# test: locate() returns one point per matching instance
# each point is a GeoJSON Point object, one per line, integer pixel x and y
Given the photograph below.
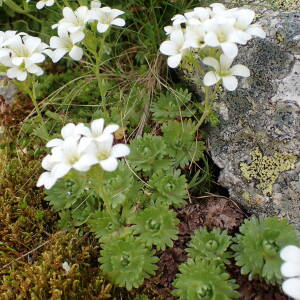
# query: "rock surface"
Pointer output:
{"type": "Point", "coordinates": [257, 143]}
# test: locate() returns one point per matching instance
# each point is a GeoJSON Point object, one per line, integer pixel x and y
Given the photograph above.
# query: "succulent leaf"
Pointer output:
{"type": "Point", "coordinates": [149, 154]}
{"type": "Point", "coordinates": [156, 226]}
{"type": "Point", "coordinates": [180, 141]}
{"type": "Point", "coordinates": [169, 188]}
{"type": "Point", "coordinates": [172, 105]}
{"type": "Point", "coordinates": [126, 261]}
{"type": "Point", "coordinates": [258, 245]}
{"type": "Point", "coordinates": [202, 279]}
{"type": "Point", "coordinates": [211, 245]}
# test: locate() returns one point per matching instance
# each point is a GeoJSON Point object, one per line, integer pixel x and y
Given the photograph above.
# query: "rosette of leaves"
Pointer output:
{"type": "Point", "coordinates": [202, 279]}
{"type": "Point", "coordinates": [103, 225]}
{"type": "Point", "coordinates": [126, 261]}
{"type": "Point", "coordinates": [156, 226]}
{"type": "Point", "coordinates": [211, 245]}
{"type": "Point", "coordinates": [180, 140]}
{"type": "Point", "coordinates": [169, 188]}
{"type": "Point", "coordinates": [149, 154]}
{"type": "Point", "coordinates": [120, 186]}
{"type": "Point", "coordinates": [258, 246]}
{"type": "Point", "coordinates": [66, 191]}
{"type": "Point", "coordinates": [171, 105]}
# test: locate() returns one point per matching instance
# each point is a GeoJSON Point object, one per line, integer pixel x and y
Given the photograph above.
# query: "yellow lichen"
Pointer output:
{"type": "Point", "coordinates": [266, 169]}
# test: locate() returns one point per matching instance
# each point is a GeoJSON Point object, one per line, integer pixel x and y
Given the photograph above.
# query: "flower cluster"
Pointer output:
{"type": "Point", "coordinates": [80, 148]}
{"type": "Point", "coordinates": [71, 28]}
{"type": "Point", "coordinates": [291, 269]}
{"type": "Point", "coordinates": [20, 53]}
{"type": "Point", "coordinates": [217, 28]}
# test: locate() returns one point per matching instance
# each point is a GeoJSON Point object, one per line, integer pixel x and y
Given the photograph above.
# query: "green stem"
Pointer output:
{"type": "Point", "coordinates": [206, 109]}
{"type": "Point", "coordinates": [99, 186]}
{"type": "Point", "coordinates": [32, 95]}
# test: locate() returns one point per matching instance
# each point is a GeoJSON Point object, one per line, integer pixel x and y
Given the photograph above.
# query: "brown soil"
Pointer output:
{"type": "Point", "coordinates": [212, 212]}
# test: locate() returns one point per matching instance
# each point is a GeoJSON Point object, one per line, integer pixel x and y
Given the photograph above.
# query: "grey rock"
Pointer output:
{"type": "Point", "coordinates": [263, 115]}
{"type": "Point", "coordinates": [7, 90]}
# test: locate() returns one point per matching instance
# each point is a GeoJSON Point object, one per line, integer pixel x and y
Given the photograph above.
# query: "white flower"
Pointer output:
{"type": "Point", "coordinates": [69, 130]}
{"type": "Point", "coordinates": [106, 17]}
{"type": "Point", "coordinates": [243, 27]}
{"type": "Point", "coordinates": [106, 154]}
{"type": "Point", "coordinates": [220, 33]}
{"type": "Point", "coordinates": [42, 3]}
{"type": "Point", "coordinates": [97, 129]}
{"type": "Point", "coordinates": [6, 37]}
{"type": "Point", "coordinates": [27, 49]}
{"type": "Point", "coordinates": [64, 43]}
{"type": "Point", "coordinates": [74, 21]}
{"type": "Point", "coordinates": [169, 29]}
{"type": "Point", "coordinates": [224, 71]}
{"type": "Point", "coordinates": [175, 48]}
{"type": "Point", "coordinates": [72, 154]}
{"type": "Point", "coordinates": [194, 36]}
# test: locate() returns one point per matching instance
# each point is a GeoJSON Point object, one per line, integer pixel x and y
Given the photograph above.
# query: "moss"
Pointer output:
{"type": "Point", "coordinates": [46, 278]}
{"type": "Point", "coordinates": [266, 169]}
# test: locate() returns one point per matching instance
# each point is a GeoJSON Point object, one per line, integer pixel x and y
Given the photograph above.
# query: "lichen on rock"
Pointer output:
{"type": "Point", "coordinates": [265, 169]}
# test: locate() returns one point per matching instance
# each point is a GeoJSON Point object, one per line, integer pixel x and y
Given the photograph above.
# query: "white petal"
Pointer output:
{"type": "Point", "coordinates": [85, 162]}
{"type": "Point", "coordinates": [116, 12]}
{"type": "Point", "coordinates": [77, 36]}
{"type": "Point", "coordinates": [210, 78]}
{"type": "Point", "coordinates": [290, 253]}
{"type": "Point", "coordinates": [69, 14]}
{"type": "Point", "coordinates": [240, 70]}
{"type": "Point", "coordinates": [32, 42]}
{"type": "Point", "coordinates": [230, 49]}
{"type": "Point", "coordinates": [245, 17]}
{"type": "Point", "coordinates": [97, 127]}
{"type": "Point", "coordinates": [50, 3]}
{"type": "Point", "coordinates": [17, 60]}
{"type": "Point", "coordinates": [46, 179]}
{"type": "Point", "coordinates": [174, 60]}
{"type": "Point", "coordinates": [109, 164]}
{"type": "Point", "coordinates": [40, 5]}
{"type": "Point", "coordinates": [56, 42]}
{"type": "Point", "coordinates": [225, 62]}
{"type": "Point", "coordinates": [54, 143]}
{"type": "Point", "coordinates": [76, 53]}
{"type": "Point", "coordinates": [256, 30]}
{"type": "Point", "coordinates": [104, 143]}
{"type": "Point", "coordinates": [48, 162]}
{"type": "Point", "coordinates": [211, 39]}
{"type": "Point", "coordinates": [230, 83]}
{"type": "Point", "coordinates": [291, 287]}
{"type": "Point", "coordinates": [35, 69]}
{"type": "Point", "coordinates": [21, 75]}
{"type": "Point", "coordinates": [120, 150]}
{"type": "Point", "coordinates": [102, 27]}
{"type": "Point", "coordinates": [290, 269]}
{"type": "Point", "coordinates": [58, 54]}
{"type": "Point", "coordinates": [210, 61]}
{"type": "Point", "coordinates": [168, 48]}
{"type": "Point", "coordinates": [68, 130]}
{"type": "Point", "coordinates": [118, 22]}
{"type": "Point", "coordinates": [110, 128]}
{"type": "Point", "coordinates": [60, 170]}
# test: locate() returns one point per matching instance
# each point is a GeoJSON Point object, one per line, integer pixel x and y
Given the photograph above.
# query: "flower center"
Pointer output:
{"type": "Point", "coordinates": [21, 51]}
{"type": "Point", "coordinates": [106, 19]}
{"type": "Point", "coordinates": [221, 37]}
{"type": "Point", "coordinates": [73, 159]}
{"type": "Point", "coordinates": [103, 155]}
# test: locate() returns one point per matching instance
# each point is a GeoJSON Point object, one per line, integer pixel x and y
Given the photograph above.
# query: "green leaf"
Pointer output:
{"type": "Point", "coordinates": [156, 226]}
{"type": "Point", "coordinates": [202, 279]}
{"type": "Point", "coordinates": [258, 247]}
{"type": "Point", "coordinates": [211, 245]}
{"type": "Point", "coordinates": [149, 154]}
{"type": "Point", "coordinates": [180, 140]}
{"type": "Point", "coordinates": [126, 261]}
{"type": "Point", "coordinates": [169, 188]}
{"type": "Point", "coordinates": [171, 105]}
